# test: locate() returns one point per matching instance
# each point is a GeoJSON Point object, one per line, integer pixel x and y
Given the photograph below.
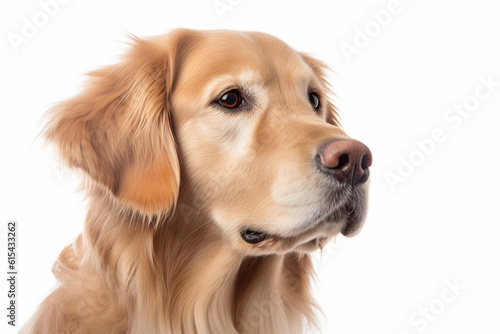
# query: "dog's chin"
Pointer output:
{"type": "Point", "coordinates": [350, 218]}
{"type": "Point", "coordinates": [346, 221]}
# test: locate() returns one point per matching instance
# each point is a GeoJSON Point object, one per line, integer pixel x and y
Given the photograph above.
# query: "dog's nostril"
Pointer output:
{"type": "Point", "coordinates": [343, 161]}
{"type": "Point", "coordinates": [366, 162]}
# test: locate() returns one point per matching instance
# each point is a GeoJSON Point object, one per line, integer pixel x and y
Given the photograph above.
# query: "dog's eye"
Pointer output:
{"type": "Point", "coordinates": [314, 100]}
{"type": "Point", "coordinates": [232, 99]}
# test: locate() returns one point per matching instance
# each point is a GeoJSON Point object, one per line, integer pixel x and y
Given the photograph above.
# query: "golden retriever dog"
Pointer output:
{"type": "Point", "coordinates": [214, 164]}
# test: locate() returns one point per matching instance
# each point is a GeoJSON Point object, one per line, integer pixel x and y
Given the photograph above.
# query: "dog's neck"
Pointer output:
{"type": "Point", "coordinates": [182, 277]}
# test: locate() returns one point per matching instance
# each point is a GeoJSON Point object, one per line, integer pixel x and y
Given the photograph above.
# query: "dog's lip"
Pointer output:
{"type": "Point", "coordinates": [253, 236]}
{"type": "Point", "coordinates": [256, 236]}
{"type": "Point", "coordinates": [345, 218]}
{"type": "Point", "coordinates": [351, 225]}
{"type": "Point", "coordinates": [338, 217]}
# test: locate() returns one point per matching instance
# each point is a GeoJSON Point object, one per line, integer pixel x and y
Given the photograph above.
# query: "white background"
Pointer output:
{"type": "Point", "coordinates": [439, 225]}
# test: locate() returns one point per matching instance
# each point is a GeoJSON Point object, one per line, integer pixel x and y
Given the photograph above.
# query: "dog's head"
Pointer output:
{"type": "Point", "coordinates": [237, 124]}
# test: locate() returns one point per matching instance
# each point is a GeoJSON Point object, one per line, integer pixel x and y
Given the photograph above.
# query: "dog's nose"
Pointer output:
{"type": "Point", "coordinates": [347, 160]}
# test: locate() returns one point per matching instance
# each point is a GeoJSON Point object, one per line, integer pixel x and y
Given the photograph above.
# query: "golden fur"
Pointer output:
{"type": "Point", "coordinates": [172, 180]}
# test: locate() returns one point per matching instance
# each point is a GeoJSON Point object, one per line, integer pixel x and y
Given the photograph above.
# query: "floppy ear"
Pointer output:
{"type": "Point", "coordinates": [320, 69]}
{"type": "Point", "coordinates": [119, 128]}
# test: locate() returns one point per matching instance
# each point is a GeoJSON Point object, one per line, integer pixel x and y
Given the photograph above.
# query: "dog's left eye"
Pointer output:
{"type": "Point", "coordinates": [314, 100]}
{"type": "Point", "coordinates": [232, 99]}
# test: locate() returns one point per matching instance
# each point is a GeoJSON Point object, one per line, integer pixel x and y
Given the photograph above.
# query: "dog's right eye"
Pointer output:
{"type": "Point", "coordinates": [314, 100]}
{"type": "Point", "coordinates": [232, 99]}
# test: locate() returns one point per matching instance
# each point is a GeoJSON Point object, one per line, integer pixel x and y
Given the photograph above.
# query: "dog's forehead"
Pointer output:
{"type": "Point", "coordinates": [251, 55]}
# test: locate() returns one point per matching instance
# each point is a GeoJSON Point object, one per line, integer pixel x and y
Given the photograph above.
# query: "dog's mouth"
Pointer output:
{"type": "Point", "coordinates": [351, 225]}
{"type": "Point", "coordinates": [346, 220]}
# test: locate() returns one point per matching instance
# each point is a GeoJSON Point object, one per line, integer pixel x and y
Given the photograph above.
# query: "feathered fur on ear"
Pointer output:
{"type": "Point", "coordinates": [119, 128]}
{"type": "Point", "coordinates": [320, 69]}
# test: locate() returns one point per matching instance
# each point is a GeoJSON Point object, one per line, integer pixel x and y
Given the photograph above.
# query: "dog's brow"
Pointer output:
{"type": "Point", "coordinates": [244, 79]}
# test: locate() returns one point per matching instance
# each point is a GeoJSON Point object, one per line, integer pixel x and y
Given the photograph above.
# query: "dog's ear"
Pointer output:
{"type": "Point", "coordinates": [320, 69]}
{"type": "Point", "coordinates": [119, 128]}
